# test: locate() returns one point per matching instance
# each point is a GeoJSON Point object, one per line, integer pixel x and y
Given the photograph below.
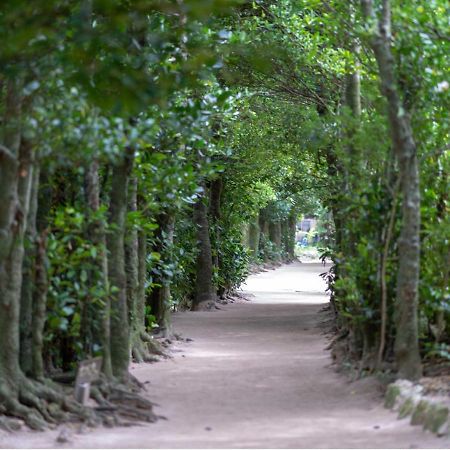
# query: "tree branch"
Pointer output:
{"type": "Point", "coordinates": [7, 154]}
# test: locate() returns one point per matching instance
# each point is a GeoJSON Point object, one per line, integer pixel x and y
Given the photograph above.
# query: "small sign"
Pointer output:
{"type": "Point", "coordinates": [88, 371]}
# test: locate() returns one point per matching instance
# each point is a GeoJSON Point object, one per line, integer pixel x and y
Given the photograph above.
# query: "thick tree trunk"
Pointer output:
{"type": "Point", "coordinates": [275, 234]}
{"type": "Point", "coordinates": [120, 334]}
{"type": "Point", "coordinates": [285, 239]}
{"type": "Point", "coordinates": [215, 199]}
{"type": "Point", "coordinates": [132, 260]}
{"type": "Point", "coordinates": [263, 226]}
{"type": "Point", "coordinates": [292, 230]}
{"type": "Point", "coordinates": [205, 296]}
{"type": "Point", "coordinates": [28, 193]}
{"type": "Point", "coordinates": [98, 236]}
{"type": "Point", "coordinates": [13, 386]}
{"type": "Point", "coordinates": [161, 295]}
{"type": "Point", "coordinates": [39, 305]}
{"type": "Point", "coordinates": [44, 204]}
{"type": "Point", "coordinates": [40, 204]}
{"type": "Point", "coordinates": [138, 349]}
{"type": "Point", "coordinates": [406, 341]}
{"type": "Point", "coordinates": [386, 240]}
{"type": "Point", "coordinates": [263, 233]}
{"type": "Point", "coordinates": [11, 247]}
{"type": "Point", "coordinates": [253, 239]}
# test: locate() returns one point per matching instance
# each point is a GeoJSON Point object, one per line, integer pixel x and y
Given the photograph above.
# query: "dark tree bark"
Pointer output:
{"type": "Point", "coordinates": [263, 232]}
{"type": "Point", "coordinates": [215, 200]}
{"type": "Point", "coordinates": [161, 294]}
{"type": "Point", "coordinates": [12, 224]}
{"type": "Point", "coordinates": [28, 193]}
{"type": "Point", "coordinates": [39, 305]}
{"type": "Point", "coordinates": [139, 350]}
{"type": "Point", "coordinates": [406, 341]}
{"type": "Point", "coordinates": [39, 300]}
{"type": "Point", "coordinates": [386, 239]}
{"type": "Point", "coordinates": [142, 278]}
{"type": "Point", "coordinates": [275, 234]}
{"type": "Point", "coordinates": [205, 296]}
{"type": "Point", "coordinates": [263, 226]}
{"type": "Point", "coordinates": [98, 236]}
{"type": "Point", "coordinates": [253, 239]}
{"type": "Point", "coordinates": [120, 330]}
{"type": "Point", "coordinates": [292, 230]}
{"type": "Point", "coordinates": [286, 238]}
{"type": "Point", "coordinates": [15, 391]}
{"type": "Point", "coordinates": [132, 262]}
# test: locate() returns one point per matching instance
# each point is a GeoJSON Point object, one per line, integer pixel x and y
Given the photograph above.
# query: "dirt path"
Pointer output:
{"type": "Point", "coordinates": [256, 375]}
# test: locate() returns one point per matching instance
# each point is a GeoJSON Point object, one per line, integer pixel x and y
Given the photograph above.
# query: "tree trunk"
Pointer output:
{"type": "Point", "coordinates": [204, 297]}
{"type": "Point", "coordinates": [135, 253]}
{"type": "Point", "coordinates": [13, 386]}
{"type": "Point", "coordinates": [292, 230]}
{"type": "Point", "coordinates": [214, 214]}
{"type": "Point", "coordinates": [39, 212]}
{"type": "Point", "coordinates": [253, 239]}
{"type": "Point", "coordinates": [406, 341]}
{"type": "Point", "coordinates": [28, 193]}
{"type": "Point", "coordinates": [12, 223]}
{"type": "Point", "coordinates": [285, 239]}
{"type": "Point", "coordinates": [275, 234]}
{"type": "Point", "coordinates": [350, 184]}
{"type": "Point", "coordinates": [120, 334]}
{"type": "Point", "coordinates": [263, 226]}
{"type": "Point", "coordinates": [98, 236]}
{"type": "Point", "coordinates": [161, 294]}
{"type": "Point", "coordinates": [132, 259]}
{"type": "Point", "coordinates": [138, 348]}
{"type": "Point", "coordinates": [44, 204]}
{"type": "Point", "coordinates": [39, 305]}
{"type": "Point", "coordinates": [386, 240]}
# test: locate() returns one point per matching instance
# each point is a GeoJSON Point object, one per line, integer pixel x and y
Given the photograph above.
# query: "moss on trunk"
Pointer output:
{"type": "Point", "coordinates": [120, 330]}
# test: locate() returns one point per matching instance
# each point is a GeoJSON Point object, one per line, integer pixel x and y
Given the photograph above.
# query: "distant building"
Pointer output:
{"type": "Point", "coordinates": [307, 224]}
{"type": "Point", "coordinates": [304, 227]}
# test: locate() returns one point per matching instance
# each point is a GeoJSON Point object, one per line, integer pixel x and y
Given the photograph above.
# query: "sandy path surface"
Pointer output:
{"type": "Point", "coordinates": [255, 376]}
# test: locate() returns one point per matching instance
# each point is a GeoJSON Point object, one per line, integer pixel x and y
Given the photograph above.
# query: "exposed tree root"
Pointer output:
{"type": "Point", "coordinates": [29, 415]}
{"type": "Point", "coordinates": [148, 349]}
{"type": "Point", "coordinates": [45, 404]}
{"type": "Point", "coordinates": [207, 305]}
{"type": "Point", "coordinates": [122, 400]}
{"type": "Point", "coordinates": [153, 345]}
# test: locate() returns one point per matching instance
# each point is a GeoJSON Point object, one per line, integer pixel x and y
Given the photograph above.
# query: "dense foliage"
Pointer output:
{"type": "Point", "coordinates": [152, 152]}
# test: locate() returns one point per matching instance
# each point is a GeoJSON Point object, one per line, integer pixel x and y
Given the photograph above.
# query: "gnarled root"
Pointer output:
{"type": "Point", "coordinates": [132, 405]}
{"type": "Point", "coordinates": [8, 424]}
{"type": "Point", "coordinates": [122, 400]}
{"type": "Point", "coordinates": [154, 347]}
{"type": "Point", "coordinates": [41, 405]}
{"type": "Point", "coordinates": [147, 349]}
{"type": "Point", "coordinates": [29, 415]}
